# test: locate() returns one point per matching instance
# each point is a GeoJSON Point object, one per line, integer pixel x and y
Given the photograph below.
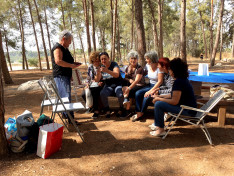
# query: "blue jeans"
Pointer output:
{"type": "Point", "coordinates": [108, 91]}
{"type": "Point", "coordinates": [161, 107]}
{"type": "Point", "coordinates": [63, 84]}
{"type": "Point", "coordinates": [139, 97]}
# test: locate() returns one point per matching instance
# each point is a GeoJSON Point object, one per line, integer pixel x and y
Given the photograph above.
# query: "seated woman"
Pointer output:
{"type": "Point", "coordinates": [155, 77]}
{"type": "Point", "coordinates": [168, 80]}
{"type": "Point", "coordinates": [182, 94]}
{"type": "Point", "coordinates": [134, 79]}
{"type": "Point", "coordinates": [111, 76]}
{"type": "Point", "coordinates": [93, 81]}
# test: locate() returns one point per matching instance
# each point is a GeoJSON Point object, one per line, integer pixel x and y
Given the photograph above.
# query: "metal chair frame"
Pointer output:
{"type": "Point", "coordinates": [198, 119]}
{"type": "Point", "coordinates": [59, 106]}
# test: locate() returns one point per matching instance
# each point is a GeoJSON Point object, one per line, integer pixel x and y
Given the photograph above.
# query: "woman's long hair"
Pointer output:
{"type": "Point", "coordinates": [179, 68]}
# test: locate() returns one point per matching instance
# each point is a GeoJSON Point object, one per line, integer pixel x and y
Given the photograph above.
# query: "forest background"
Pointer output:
{"type": "Point", "coordinates": [30, 28]}
{"type": "Point", "coordinates": [184, 28]}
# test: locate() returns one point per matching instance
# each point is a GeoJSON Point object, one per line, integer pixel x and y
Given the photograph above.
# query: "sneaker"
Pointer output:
{"type": "Point", "coordinates": [95, 115]}
{"type": "Point", "coordinates": [126, 100]}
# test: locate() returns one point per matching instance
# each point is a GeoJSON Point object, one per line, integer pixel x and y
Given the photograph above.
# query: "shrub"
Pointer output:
{"type": "Point", "coordinates": [33, 62]}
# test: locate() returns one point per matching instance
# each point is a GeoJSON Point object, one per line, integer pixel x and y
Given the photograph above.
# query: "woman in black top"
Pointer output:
{"type": "Point", "coordinates": [182, 94]}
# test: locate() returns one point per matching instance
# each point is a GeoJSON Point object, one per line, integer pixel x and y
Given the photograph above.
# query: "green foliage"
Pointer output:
{"type": "Point", "coordinates": [171, 24]}
{"type": "Point", "coordinates": [33, 62]}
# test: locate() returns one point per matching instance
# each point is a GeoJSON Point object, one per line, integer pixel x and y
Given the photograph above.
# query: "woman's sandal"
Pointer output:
{"type": "Point", "coordinates": [153, 133]}
{"type": "Point", "coordinates": [135, 118]}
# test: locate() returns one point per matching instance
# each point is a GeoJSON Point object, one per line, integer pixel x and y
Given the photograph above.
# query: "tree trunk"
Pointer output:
{"type": "Point", "coordinates": [74, 48]}
{"type": "Point", "coordinates": [5, 72]}
{"type": "Point", "coordinates": [82, 47]}
{"type": "Point", "coordinates": [93, 25]}
{"type": "Point", "coordinates": [136, 39]}
{"type": "Point", "coordinates": [217, 34]}
{"type": "Point", "coordinates": [160, 45]}
{"type": "Point", "coordinates": [140, 32]}
{"type": "Point", "coordinates": [114, 30]}
{"type": "Point", "coordinates": [154, 22]}
{"type": "Point", "coordinates": [211, 30]}
{"type": "Point", "coordinates": [8, 55]}
{"type": "Point", "coordinates": [148, 41]}
{"type": "Point", "coordinates": [3, 140]}
{"type": "Point", "coordinates": [42, 35]}
{"type": "Point", "coordinates": [132, 26]}
{"type": "Point", "coordinates": [118, 41]}
{"type": "Point", "coordinates": [102, 33]}
{"type": "Point", "coordinates": [183, 30]}
{"type": "Point", "coordinates": [35, 34]}
{"type": "Point", "coordinates": [62, 10]}
{"type": "Point", "coordinates": [86, 14]}
{"type": "Point", "coordinates": [21, 25]}
{"type": "Point", "coordinates": [221, 43]}
{"type": "Point", "coordinates": [233, 45]}
{"type": "Point", "coordinates": [204, 35]}
{"type": "Point", "coordinates": [111, 6]}
{"type": "Point", "coordinates": [48, 32]}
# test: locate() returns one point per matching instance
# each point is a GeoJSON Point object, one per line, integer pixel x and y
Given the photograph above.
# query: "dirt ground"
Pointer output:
{"type": "Point", "coordinates": [119, 146]}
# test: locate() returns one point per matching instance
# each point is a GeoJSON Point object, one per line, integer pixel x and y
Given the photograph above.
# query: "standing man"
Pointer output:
{"type": "Point", "coordinates": [63, 63]}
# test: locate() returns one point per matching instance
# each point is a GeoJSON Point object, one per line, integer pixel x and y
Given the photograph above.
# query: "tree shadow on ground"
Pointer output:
{"type": "Point", "coordinates": [103, 142]}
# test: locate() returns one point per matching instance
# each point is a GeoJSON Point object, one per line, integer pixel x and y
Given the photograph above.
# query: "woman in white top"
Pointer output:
{"type": "Point", "coordinates": [143, 96]}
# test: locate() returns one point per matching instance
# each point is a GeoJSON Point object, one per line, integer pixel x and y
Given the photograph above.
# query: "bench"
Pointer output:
{"type": "Point", "coordinates": [222, 107]}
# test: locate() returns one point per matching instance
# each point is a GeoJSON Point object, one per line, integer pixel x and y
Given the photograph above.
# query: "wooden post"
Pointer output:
{"type": "Point", "coordinates": [221, 115]}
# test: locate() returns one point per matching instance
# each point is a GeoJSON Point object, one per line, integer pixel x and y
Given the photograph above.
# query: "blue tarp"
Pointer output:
{"type": "Point", "coordinates": [213, 77]}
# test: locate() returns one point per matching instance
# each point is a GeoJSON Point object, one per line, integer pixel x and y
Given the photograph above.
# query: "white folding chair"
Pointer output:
{"type": "Point", "coordinates": [46, 102]}
{"type": "Point", "coordinates": [59, 107]}
{"type": "Point", "coordinates": [77, 82]}
{"type": "Point", "coordinates": [198, 119]}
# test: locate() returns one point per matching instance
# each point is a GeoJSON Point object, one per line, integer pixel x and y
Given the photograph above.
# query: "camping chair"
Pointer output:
{"type": "Point", "coordinates": [46, 101]}
{"type": "Point", "coordinates": [198, 119]}
{"type": "Point", "coordinates": [77, 82]}
{"type": "Point", "coordinates": [59, 107]}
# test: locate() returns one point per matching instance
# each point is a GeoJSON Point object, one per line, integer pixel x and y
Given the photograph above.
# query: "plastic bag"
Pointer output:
{"type": "Point", "coordinates": [43, 119]}
{"type": "Point", "coordinates": [10, 125]}
{"type": "Point", "coordinates": [17, 145]}
{"type": "Point", "coordinates": [89, 98]}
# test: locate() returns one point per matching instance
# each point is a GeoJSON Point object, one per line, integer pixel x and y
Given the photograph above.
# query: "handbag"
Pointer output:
{"type": "Point", "coordinates": [89, 98]}
{"type": "Point", "coordinates": [49, 139]}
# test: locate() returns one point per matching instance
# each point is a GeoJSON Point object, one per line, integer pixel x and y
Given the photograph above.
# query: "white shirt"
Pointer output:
{"type": "Point", "coordinates": [152, 75]}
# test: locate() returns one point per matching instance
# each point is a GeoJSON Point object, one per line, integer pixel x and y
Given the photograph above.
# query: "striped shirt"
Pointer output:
{"type": "Point", "coordinates": [166, 86]}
